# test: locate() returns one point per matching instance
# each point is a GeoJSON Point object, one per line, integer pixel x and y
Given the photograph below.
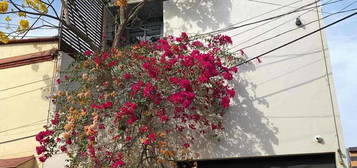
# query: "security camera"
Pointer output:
{"type": "Point", "coordinates": [318, 139]}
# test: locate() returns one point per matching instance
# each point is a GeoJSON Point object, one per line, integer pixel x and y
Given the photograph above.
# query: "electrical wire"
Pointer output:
{"type": "Point", "coordinates": [22, 93]}
{"type": "Point", "coordinates": [263, 33]}
{"type": "Point", "coordinates": [277, 4]}
{"type": "Point", "coordinates": [25, 126]}
{"type": "Point", "coordinates": [285, 32]}
{"type": "Point", "coordinates": [25, 84]}
{"type": "Point", "coordinates": [298, 39]}
{"type": "Point", "coordinates": [232, 27]}
{"type": "Point", "coordinates": [313, 9]}
{"type": "Point", "coordinates": [348, 5]}
{"type": "Point", "coordinates": [17, 139]}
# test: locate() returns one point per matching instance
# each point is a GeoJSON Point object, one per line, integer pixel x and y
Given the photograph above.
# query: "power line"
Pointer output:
{"type": "Point", "coordinates": [254, 37]}
{"type": "Point", "coordinates": [24, 126]}
{"type": "Point", "coordinates": [22, 93]}
{"type": "Point", "coordinates": [311, 9]}
{"type": "Point", "coordinates": [348, 5]}
{"type": "Point", "coordinates": [229, 28]}
{"type": "Point", "coordinates": [17, 139]}
{"type": "Point", "coordinates": [295, 40]}
{"type": "Point", "coordinates": [288, 31]}
{"type": "Point", "coordinates": [25, 84]}
{"type": "Point", "coordinates": [277, 4]}
{"type": "Point", "coordinates": [271, 11]}
{"type": "Point", "coordinates": [340, 11]}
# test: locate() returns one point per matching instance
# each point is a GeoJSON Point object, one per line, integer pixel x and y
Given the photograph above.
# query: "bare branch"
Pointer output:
{"type": "Point", "coordinates": [125, 20]}
{"type": "Point", "coordinates": [33, 13]}
{"type": "Point", "coordinates": [49, 4]}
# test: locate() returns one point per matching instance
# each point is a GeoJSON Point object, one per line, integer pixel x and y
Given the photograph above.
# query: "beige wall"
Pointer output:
{"type": "Point", "coordinates": [283, 102]}
{"type": "Point", "coordinates": [23, 99]}
{"type": "Point", "coordinates": [18, 49]}
{"type": "Point", "coordinates": [29, 164]}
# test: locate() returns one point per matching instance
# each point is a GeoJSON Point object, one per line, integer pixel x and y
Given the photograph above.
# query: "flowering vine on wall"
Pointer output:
{"type": "Point", "coordinates": [141, 105]}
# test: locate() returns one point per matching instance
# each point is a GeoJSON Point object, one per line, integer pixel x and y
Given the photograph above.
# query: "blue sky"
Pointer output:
{"type": "Point", "coordinates": [342, 43]}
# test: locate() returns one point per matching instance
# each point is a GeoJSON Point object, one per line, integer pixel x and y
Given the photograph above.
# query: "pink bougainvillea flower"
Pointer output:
{"type": "Point", "coordinates": [184, 36]}
{"type": "Point", "coordinates": [148, 89]}
{"type": "Point", "coordinates": [135, 88]}
{"type": "Point", "coordinates": [87, 53]}
{"type": "Point", "coordinates": [225, 102]}
{"type": "Point", "coordinates": [118, 163]}
{"type": "Point", "coordinates": [97, 60]}
{"type": "Point", "coordinates": [152, 137]}
{"type": "Point", "coordinates": [40, 137]}
{"type": "Point", "coordinates": [42, 158]}
{"type": "Point", "coordinates": [68, 141]}
{"type": "Point", "coordinates": [40, 149]}
{"type": "Point", "coordinates": [107, 104]}
{"type": "Point", "coordinates": [227, 75]}
{"type": "Point", "coordinates": [197, 44]}
{"type": "Point", "coordinates": [186, 145]}
{"type": "Point", "coordinates": [128, 138]}
{"type": "Point", "coordinates": [101, 126]}
{"type": "Point", "coordinates": [164, 118]}
{"type": "Point", "coordinates": [132, 120]}
{"type": "Point", "coordinates": [63, 148]}
{"type": "Point", "coordinates": [112, 63]}
{"type": "Point", "coordinates": [144, 129]}
{"type": "Point", "coordinates": [231, 92]}
{"type": "Point", "coordinates": [105, 56]}
{"type": "Point", "coordinates": [127, 76]}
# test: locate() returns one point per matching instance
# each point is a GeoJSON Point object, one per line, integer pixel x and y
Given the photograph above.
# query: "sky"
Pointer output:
{"type": "Point", "coordinates": [342, 44]}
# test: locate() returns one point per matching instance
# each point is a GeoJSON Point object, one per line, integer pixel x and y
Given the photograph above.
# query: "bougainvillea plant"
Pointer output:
{"type": "Point", "coordinates": [141, 105]}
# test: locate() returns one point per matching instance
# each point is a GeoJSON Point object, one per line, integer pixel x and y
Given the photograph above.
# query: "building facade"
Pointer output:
{"type": "Point", "coordinates": [285, 114]}
{"type": "Point", "coordinates": [26, 70]}
{"type": "Point", "coordinates": [286, 103]}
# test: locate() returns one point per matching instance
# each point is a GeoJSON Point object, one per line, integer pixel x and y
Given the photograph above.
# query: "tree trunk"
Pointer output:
{"type": "Point", "coordinates": [124, 20]}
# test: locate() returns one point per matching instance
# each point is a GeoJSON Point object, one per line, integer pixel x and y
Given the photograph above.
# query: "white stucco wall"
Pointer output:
{"type": "Point", "coordinates": [281, 103]}
{"type": "Point", "coordinates": [59, 160]}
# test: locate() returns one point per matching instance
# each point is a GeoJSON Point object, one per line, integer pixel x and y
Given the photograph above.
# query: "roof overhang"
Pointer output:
{"type": "Point", "coordinates": [32, 40]}
{"type": "Point", "coordinates": [27, 59]}
{"type": "Point", "coordinates": [16, 162]}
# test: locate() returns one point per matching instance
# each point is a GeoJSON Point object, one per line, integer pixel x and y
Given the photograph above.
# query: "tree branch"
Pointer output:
{"type": "Point", "coordinates": [125, 20]}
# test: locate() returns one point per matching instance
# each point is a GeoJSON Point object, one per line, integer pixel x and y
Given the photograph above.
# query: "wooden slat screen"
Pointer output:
{"type": "Point", "coordinates": [87, 16]}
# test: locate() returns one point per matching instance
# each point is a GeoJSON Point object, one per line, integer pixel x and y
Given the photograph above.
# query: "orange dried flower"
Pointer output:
{"type": "Point", "coordinates": [121, 3]}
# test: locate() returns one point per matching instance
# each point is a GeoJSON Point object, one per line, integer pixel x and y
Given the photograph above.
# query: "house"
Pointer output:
{"type": "Point", "coordinates": [27, 67]}
{"type": "Point", "coordinates": [286, 113]}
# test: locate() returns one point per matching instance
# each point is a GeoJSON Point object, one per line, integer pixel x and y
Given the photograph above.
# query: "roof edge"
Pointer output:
{"type": "Point", "coordinates": [352, 149]}
{"type": "Point", "coordinates": [27, 59]}
{"type": "Point", "coordinates": [14, 162]}
{"type": "Point", "coordinates": [32, 40]}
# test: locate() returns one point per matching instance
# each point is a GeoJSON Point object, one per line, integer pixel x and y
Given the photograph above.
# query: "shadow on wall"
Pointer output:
{"type": "Point", "coordinates": [206, 14]}
{"type": "Point", "coordinates": [247, 131]}
{"type": "Point", "coordinates": [46, 91]}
